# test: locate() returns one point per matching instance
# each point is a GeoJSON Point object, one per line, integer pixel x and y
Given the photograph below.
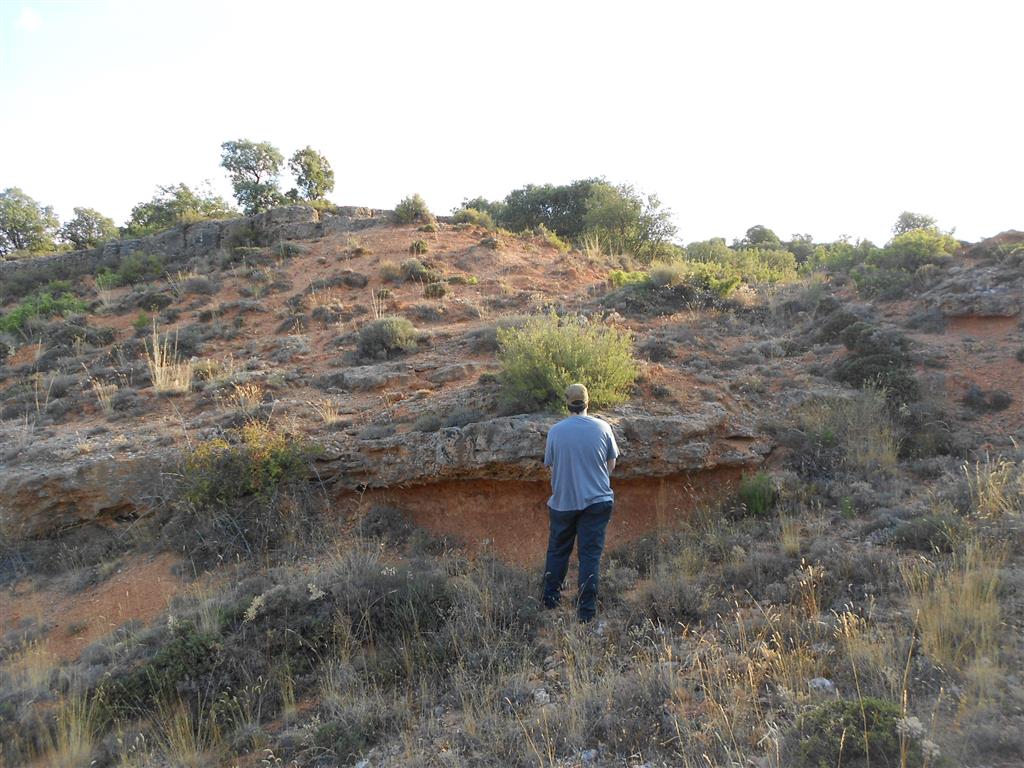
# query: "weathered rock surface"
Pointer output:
{"type": "Point", "coordinates": [992, 288]}
{"type": "Point", "coordinates": [42, 499]}
{"type": "Point", "coordinates": [511, 448]}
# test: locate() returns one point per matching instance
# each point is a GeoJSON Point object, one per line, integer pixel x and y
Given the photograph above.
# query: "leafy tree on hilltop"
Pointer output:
{"type": "Point", "coordinates": [177, 204]}
{"type": "Point", "coordinates": [562, 208]}
{"type": "Point", "coordinates": [759, 236]}
{"type": "Point", "coordinates": [253, 168]}
{"type": "Point", "coordinates": [627, 222]}
{"type": "Point", "coordinates": [313, 174]}
{"type": "Point", "coordinates": [88, 229]}
{"type": "Point", "coordinates": [908, 222]}
{"type": "Point", "coordinates": [25, 225]}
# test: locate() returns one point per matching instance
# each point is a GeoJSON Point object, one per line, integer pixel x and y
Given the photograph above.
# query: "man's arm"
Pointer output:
{"type": "Point", "coordinates": [611, 466]}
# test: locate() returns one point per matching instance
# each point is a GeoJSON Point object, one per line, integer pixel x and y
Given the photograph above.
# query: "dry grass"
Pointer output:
{"type": "Point", "coordinates": [170, 375]}
{"type": "Point", "coordinates": [790, 537]}
{"type": "Point", "coordinates": [30, 668]}
{"type": "Point", "coordinates": [996, 488]}
{"type": "Point", "coordinates": [956, 606]}
{"type": "Point", "coordinates": [187, 740]}
{"type": "Point", "coordinates": [860, 424]}
{"type": "Point", "coordinates": [247, 398]}
{"type": "Point", "coordinates": [74, 735]}
{"type": "Point", "coordinates": [104, 395]}
{"type": "Point", "coordinates": [326, 409]}
{"type": "Point", "coordinates": [216, 371]}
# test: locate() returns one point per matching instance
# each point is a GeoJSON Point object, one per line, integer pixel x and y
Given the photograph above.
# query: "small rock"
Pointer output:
{"type": "Point", "coordinates": [589, 757]}
{"type": "Point", "coordinates": [541, 696]}
{"type": "Point", "coordinates": [822, 685]}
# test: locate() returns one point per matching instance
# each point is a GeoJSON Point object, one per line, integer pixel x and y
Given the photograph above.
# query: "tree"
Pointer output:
{"type": "Point", "coordinates": [312, 172]}
{"type": "Point", "coordinates": [561, 208]}
{"type": "Point", "coordinates": [24, 224]}
{"type": "Point", "coordinates": [907, 222]}
{"type": "Point", "coordinates": [759, 236]}
{"type": "Point", "coordinates": [88, 229]}
{"type": "Point", "coordinates": [628, 222]}
{"type": "Point", "coordinates": [177, 204]}
{"type": "Point", "coordinates": [253, 168]}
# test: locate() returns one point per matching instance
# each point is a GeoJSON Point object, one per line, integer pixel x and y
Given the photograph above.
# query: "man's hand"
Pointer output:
{"type": "Point", "coordinates": [611, 466]}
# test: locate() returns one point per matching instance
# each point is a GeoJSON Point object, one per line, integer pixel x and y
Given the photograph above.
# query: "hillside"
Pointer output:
{"type": "Point", "coordinates": [324, 549]}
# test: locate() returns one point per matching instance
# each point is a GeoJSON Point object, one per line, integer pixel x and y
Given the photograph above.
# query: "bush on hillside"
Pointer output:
{"type": "Point", "coordinates": [546, 355]}
{"type": "Point", "coordinates": [474, 217]}
{"type": "Point", "coordinates": [386, 338]}
{"type": "Point", "coordinates": [412, 209]}
{"type": "Point", "coordinates": [418, 246]}
{"type": "Point", "coordinates": [43, 304]}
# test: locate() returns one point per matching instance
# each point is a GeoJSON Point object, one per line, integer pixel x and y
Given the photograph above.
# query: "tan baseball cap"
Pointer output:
{"type": "Point", "coordinates": [577, 394]}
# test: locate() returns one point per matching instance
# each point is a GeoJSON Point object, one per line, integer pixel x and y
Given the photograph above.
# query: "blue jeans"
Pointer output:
{"type": "Point", "coordinates": [589, 525]}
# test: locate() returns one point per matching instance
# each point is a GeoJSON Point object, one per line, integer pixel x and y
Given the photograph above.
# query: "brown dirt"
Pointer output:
{"type": "Point", "coordinates": [140, 590]}
{"type": "Point", "coordinates": [510, 517]}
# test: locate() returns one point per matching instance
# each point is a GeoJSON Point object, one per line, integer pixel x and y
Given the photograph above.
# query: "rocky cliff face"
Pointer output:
{"type": "Point", "coordinates": [42, 500]}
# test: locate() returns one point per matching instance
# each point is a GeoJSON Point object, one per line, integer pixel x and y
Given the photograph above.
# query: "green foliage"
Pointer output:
{"type": "Point", "coordinates": [313, 174]}
{"type": "Point", "coordinates": [916, 248]}
{"type": "Point", "coordinates": [627, 222]}
{"type": "Point", "coordinates": [475, 217]}
{"type": "Point", "coordinates": [419, 246]}
{"type": "Point", "coordinates": [751, 264]}
{"type": "Point", "coordinates": [390, 272]}
{"type": "Point", "coordinates": [43, 304]}
{"type": "Point", "coordinates": [134, 268]}
{"type": "Point", "coordinates": [907, 222]}
{"type": "Point", "coordinates": [385, 338]}
{"type": "Point", "coordinates": [141, 322]}
{"type": "Point", "coordinates": [619, 277]}
{"type": "Point", "coordinates": [412, 209]}
{"type": "Point", "coordinates": [25, 225]}
{"type": "Point", "coordinates": [758, 494]}
{"type": "Point", "coordinates": [253, 168]}
{"type": "Point", "coordinates": [545, 355]}
{"type": "Point", "coordinates": [414, 269]}
{"type": "Point", "coordinates": [493, 208]}
{"type": "Point", "coordinates": [562, 208]}
{"type": "Point", "coordinates": [435, 290]}
{"type": "Point", "coordinates": [552, 239]}
{"type": "Point", "coordinates": [855, 734]}
{"type": "Point", "coordinates": [218, 473]}
{"type": "Point", "coordinates": [877, 358]}
{"type": "Point", "coordinates": [88, 229]}
{"type": "Point", "coordinates": [176, 204]}
{"type": "Point", "coordinates": [759, 236]}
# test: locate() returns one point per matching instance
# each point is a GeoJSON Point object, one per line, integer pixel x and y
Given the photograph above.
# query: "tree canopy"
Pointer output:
{"type": "Point", "coordinates": [177, 204]}
{"type": "Point", "coordinates": [88, 229]}
{"type": "Point", "coordinates": [25, 225]}
{"type": "Point", "coordinates": [254, 168]}
{"type": "Point", "coordinates": [314, 177]}
{"type": "Point", "coordinates": [908, 222]}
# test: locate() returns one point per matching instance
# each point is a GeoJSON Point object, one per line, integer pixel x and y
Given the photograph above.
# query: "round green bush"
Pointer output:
{"type": "Point", "coordinates": [547, 354]}
{"type": "Point", "coordinates": [385, 338]}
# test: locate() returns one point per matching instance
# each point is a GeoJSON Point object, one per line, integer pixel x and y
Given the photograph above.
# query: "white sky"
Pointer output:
{"type": "Point", "coordinates": [819, 117]}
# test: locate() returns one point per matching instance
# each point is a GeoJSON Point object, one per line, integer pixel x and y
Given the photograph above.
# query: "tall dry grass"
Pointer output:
{"type": "Point", "coordinates": [170, 375]}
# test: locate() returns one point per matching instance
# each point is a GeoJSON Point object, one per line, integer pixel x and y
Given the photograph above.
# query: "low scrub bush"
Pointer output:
{"type": "Point", "coordinates": [134, 268]}
{"type": "Point", "coordinates": [474, 217]}
{"type": "Point", "coordinates": [551, 238]}
{"type": "Point", "coordinates": [852, 733]}
{"type": "Point", "coordinates": [435, 290]}
{"type": "Point", "coordinates": [385, 338]}
{"type": "Point", "coordinates": [390, 272]}
{"type": "Point", "coordinates": [620, 277]}
{"type": "Point", "coordinates": [547, 354]}
{"type": "Point", "coordinates": [412, 209]}
{"type": "Point", "coordinates": [414, 269]}
{"type": "Point", "coordinates": [757, 494]}
{"type": "Point", "coordinates": [43, 304]}
{"type": "Point", "coordinates": [877, 358]}
{"type": "Point", "coordinates": [419, 246]}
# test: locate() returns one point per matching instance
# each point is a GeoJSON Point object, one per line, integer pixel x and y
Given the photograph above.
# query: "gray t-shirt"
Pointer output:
{"type": "Point", "coordinates": [577, 450]}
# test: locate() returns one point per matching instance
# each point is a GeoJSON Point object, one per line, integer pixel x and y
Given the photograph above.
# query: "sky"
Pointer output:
{"type": "Point", "coordinates": [816, 117]}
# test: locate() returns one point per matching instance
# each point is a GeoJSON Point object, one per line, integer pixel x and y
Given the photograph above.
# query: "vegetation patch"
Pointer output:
{"type": "Point", "coordinates": [386, 338]}
{"type": "Point", "coordinates": [43, 304]}
{"type": "Point", "coordinates": [547, 354]}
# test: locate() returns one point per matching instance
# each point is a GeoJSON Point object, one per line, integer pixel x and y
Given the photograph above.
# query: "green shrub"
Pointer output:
{"type": "Point", "coordinates": [141, 322]}
{"type": "Point", "coordinates": [620, 277]}
{"type": "Point", "coordinates": [134, 268]}
{"type": "Point", "coordinates": [877, 358]}
{"type": "Point", "coordinates": [492, 242]}
{"type": "Point", "coordinates": [390, 272]}
{"type": "Point", "coordinates": [411, 209]}
{"type": "Point", "coordinates": [552, 239]}
{"type": "Point", "coordinates": [462, 280]}
{"type": "Point", "coordinates": [474, 217]}
{"type": "Point", "coordinates": [218, 472]}
{"type": "Point", "coordinates": [430, 226]}
{"type": "Point", "coordinates": [435, 290]}
{"type": "Point", "coordinates": [414, 269]}
{"type": "Point", "coordinates": [854, 734]}
{"type": "Point", "coordinates": [758, 494]}
{"type": "Point", "coordinates": [43, 304]}
{"type": "Point", "coordinates": [418, 246]}
{"type": "Point", "coordinates": [540, 359]}
{"type": "Point", "coordinates": [386, 338]}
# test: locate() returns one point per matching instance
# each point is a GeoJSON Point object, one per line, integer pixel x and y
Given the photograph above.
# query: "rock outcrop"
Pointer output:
{"type": "Point", "coordinates": [44, 499]}
{"type": "Point", "coordinates": [992, 287]}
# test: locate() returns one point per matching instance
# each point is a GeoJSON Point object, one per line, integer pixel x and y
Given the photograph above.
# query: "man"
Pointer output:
{"type": "Point", "coordinates": [581, 453]}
